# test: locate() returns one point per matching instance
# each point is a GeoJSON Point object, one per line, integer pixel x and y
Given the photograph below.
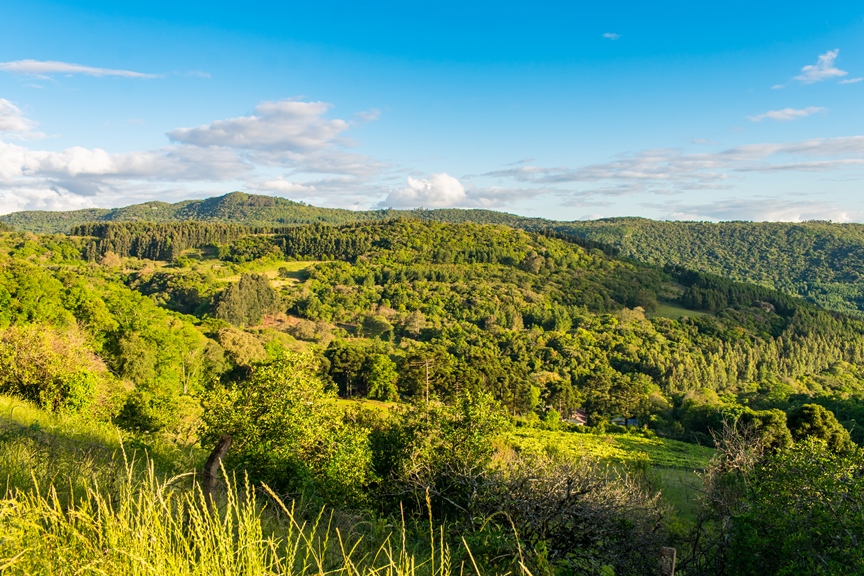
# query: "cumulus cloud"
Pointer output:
{"type": "Point", "coordinates": [852, 80]}
{"type": "Point", "coordinates": [437, 191]}
{"type": "Point", "coordinates": [824, 69]}
{"type": "Point", "coordinates": [284, 186]}
{"type": "Point", "coordinates": [40, 197]}
{"type": "Point", "coordinates": [611, 36]}
{"type": "Point", "coordinates": [12, 120]}
{"type": "Point", "coordinates": [165, 164]}
{"type": "Point", "coordinates": [45, 68]}
{"type": "Point", "coordinates": [291, 136]}
{"type": "Point", "coordinates": [286, 125]}
{"type": "Point", "coordinates": [786, 114]}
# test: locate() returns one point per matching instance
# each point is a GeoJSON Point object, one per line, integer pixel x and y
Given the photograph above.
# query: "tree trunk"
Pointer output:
{"type": "Point", "coordinates": [210, 473]}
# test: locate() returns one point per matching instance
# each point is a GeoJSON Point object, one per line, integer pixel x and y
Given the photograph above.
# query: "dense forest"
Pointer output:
{"type": "Point", "coordinates": [434, 376]}
{"type": "Point", "coordinates": [821, 261]}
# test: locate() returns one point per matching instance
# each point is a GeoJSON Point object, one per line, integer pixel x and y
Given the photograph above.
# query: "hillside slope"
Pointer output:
{"type": "Point", "coordinates": [242, 208]}
{"type": "Point", "coordinates": [821, 261]}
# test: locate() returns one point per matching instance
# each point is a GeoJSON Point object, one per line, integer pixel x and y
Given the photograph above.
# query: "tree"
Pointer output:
{"type": "Point", "coordinates": [377, 326]}
{"type": "Point", "coordinates": [53, 369]}
{"type": "Point", "coordinates": [381, 377]}
{"type": "Point", "coordinates": [415, 323]}
{"type": "Point", "coordinates": [769, 425]}
{"type": "Point", "coordinates": [289, 432]}
{"type": "Point", "coordinates": [245, 302]}
{"type": "Point", "coordinates": [818, 422]}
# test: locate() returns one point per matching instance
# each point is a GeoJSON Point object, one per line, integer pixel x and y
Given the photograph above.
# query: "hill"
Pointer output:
{"type": "Point", "coordinates": [820, 261]}
{"type": "Point", "coordinates": [472, 339]}
{"type": "Point", "coordinates": [239, 208]}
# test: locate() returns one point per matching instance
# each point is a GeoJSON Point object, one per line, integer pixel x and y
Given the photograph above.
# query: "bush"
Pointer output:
{"type": "Point", "coordinates": [56, 370]}
{"type": "Point", "coordinates": [289, 432]}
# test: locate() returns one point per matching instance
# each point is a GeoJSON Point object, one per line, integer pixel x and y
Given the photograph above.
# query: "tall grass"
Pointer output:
{"type": "Point", "coordinates": [148, 525]}
{"type": "Point", "coordinates": [74, 499]}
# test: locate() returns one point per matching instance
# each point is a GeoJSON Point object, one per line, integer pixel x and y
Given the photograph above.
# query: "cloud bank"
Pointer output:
{"type": "Point", "coordinates": [292, 136]}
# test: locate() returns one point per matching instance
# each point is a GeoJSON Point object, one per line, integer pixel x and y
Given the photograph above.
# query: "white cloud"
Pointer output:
{"type": "Point", "coordinates": [288, 135]}
{"type": "Point", "coordinates": [284, 186]}
{"type": "Point", "coordinates": [824, 69]}
{"type": "Point", "coordinates": [852, 80]}
{"type": "Point", "coordinates": [761, 210]}
{"type": "Point", "coordinates": [611, 36]}
{"type": "Point", "coordinates": [438, 191]}
{"type": "Point", "coordinates": [47, 68]}
{"type": "Point", "coordinates": [286, 125]}
{"type": "Point", "coordinates": [669, 171]}
{"type": "Point", "coordinates": [786, 114]}
{"type": "Point", "coordinates": [13, 120]}
{"type": "Point", "coordinates": [40, 198]}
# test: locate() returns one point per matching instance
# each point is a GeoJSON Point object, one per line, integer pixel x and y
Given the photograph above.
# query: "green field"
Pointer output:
{"type": "Point", "coordinates": [666, 310]}
{"type": "Point", "coordinates": [617, 448]}
{"type": "Point", "coordinates": [674, 465]}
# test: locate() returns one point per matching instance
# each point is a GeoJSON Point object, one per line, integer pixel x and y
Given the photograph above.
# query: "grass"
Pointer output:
{"type": "Point", "coordinates": [151, 526]}
{"type": "Point", "coordinates": [615, 448]}
{"type": "Point", "coordinates": [673, 464]}
{"type": "Point", "coordinates": [681, 489]}
{"type": "Point", "coordinates": [665, 310]}
{"type": "Point", "coordinates": [73, 451]}
{"type": "Point", "coordinates": [296, 271]}
{"type": "Point", "coordinates": [380, 407]}
{"type": "Point", "coordinates": [79, 497]}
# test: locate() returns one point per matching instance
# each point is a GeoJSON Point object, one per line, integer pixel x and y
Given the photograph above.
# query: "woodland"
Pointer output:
{"type": "Point", "coordinates": [427, 392]}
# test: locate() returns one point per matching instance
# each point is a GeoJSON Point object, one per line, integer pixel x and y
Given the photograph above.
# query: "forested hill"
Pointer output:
{"type": "Point", "coordinates": [246, 209]}
{"type": "Point", "coordinates": [470, 340]}
{"type": "Point", "coordinates": [821, 261]}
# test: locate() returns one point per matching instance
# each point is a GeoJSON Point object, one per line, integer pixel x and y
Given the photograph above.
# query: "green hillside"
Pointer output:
{"type": "Point", "coordinates": [423, 383]}
{"type": "Point", "coordinates": [239, 208]}
{"type": "Point", "coordinates": [821, 261]}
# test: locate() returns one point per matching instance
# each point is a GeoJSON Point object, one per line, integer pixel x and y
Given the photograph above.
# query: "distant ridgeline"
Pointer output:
{"type": "Point", "coordinates": [248, 210]}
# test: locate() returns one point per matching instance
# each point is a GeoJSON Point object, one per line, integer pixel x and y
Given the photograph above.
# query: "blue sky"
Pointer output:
{"type": "Point", "coordinates": [675, 110]}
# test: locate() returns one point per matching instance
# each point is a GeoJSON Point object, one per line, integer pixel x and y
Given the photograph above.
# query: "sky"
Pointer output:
{"type": "Point", "coordinates": [563, 110]}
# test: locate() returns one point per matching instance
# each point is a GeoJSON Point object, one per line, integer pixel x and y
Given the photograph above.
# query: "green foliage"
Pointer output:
{"type": "Point", "coordinates": [799, 510]}
{"type": "Point", "coordinates": [813, 420]}
{"type": "Point", "coordinates": [245, 302]}
{"type": "Point", "coordinates": [289, 432]}
{"type": "Point", "coordinates": [56, 370]}
{"type": "Point", "coordinates": [437, 450]}
{"type": "Point", "coordinates": [817, 260]}
{"type": "Point", "coordinates": [769, 426]}
{"type": "Point", "coordinates": [382, 379]}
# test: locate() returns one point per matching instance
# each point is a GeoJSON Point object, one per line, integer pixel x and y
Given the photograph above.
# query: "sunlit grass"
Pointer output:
{"type": "Point", "coordinates": [147, 525]}
{"type": "Point", "coordinates": [617, 448]}
{"type": "Point", "coordinates": [674, 312]}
